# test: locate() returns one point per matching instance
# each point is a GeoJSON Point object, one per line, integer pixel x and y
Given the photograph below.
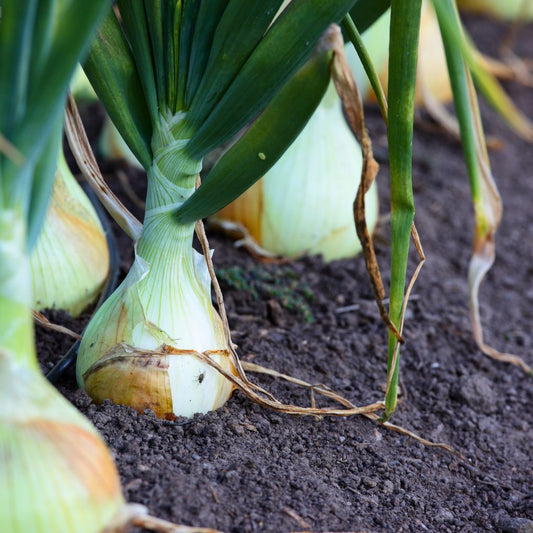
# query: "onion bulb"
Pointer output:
{"type": "Point", "coordinates": [56, 474]}
{"type": "Point", "coordinates": [70, 262]}
{"type": "Point", "coordinates": [304, 203]}
{"type": "Point", "coordinates": [140, 347]}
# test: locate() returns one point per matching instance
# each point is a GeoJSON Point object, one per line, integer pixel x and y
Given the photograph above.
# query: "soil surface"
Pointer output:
{"type": "Point", "coordinates": [244, 468]}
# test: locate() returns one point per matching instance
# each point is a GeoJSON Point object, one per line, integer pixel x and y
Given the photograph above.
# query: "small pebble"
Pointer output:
{"type": "Point", "coordinates": [515, 525]}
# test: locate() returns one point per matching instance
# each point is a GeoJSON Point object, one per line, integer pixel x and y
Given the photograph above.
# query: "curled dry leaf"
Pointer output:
{"type": "Point", "coordinates": [86, 161]}
{"type": "Point", "coordinates": [353, 108]}
{"type": "Point", "coordinates": [42, 321]}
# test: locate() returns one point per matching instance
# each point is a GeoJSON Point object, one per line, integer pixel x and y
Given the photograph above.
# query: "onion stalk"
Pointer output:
{"type": "Point", "coordinates": [70, 262]}
{"type": "Point", "coordinates": [304, 203]}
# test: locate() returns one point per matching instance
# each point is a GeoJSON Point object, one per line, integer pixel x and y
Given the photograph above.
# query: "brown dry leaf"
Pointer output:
{"type": "Point", "coordinates": [81, 148]}
{"type": "Point", "coordinates": [353, 108]}
{"type": "Point", "coordinates": [42, 321]}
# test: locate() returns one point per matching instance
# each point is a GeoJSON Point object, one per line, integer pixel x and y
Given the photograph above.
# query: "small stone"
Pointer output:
{"type": "Point", "coordinates": [444, 515]}
{"type": "Point", "coordinates": [388, 486]}
{"type": "Point", "coordinates": [515, 525]}
{"type": "Point", "coordinates": [369, 483]}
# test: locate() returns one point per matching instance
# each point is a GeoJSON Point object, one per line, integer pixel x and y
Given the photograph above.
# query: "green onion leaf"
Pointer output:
{"type": "Point", "coordinates": [209, 17]}
{"type": "Point", "coordinates": [239, 31]}
{"type": "Point", "coordinates": [276, 58]}
{"type": "Point", "coordinates": [258, 149]}
{"type": "Point", "coordinates": [405, 24]}
{"type": "Point", "coordinates": [112, 72]}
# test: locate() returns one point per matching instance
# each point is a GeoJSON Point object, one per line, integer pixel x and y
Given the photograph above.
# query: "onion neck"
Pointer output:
{"type": "Point", "coordinates": [175, 292]}
{"type": "Point", "coordinates": [171, 181]}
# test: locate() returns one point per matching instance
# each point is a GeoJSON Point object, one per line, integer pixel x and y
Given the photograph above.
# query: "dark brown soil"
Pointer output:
{"type": "Point", "coordinates": [247, 469]}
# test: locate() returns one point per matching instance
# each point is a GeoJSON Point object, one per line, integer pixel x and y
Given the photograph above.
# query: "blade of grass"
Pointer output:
{"type": "Point", "coordinates": [405, 24]}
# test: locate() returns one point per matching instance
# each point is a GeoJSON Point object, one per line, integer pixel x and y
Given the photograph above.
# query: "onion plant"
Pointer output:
{"type": "Point", "coordinates": [56, 474]}
{"type": "Point", "coordinates": [178, 80]}
{"type": "Point", "coordinates": [462, 68]}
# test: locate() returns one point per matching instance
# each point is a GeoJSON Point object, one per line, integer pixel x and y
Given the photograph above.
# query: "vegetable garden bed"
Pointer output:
{"type": "Point", "coordinates": [244, 468]}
